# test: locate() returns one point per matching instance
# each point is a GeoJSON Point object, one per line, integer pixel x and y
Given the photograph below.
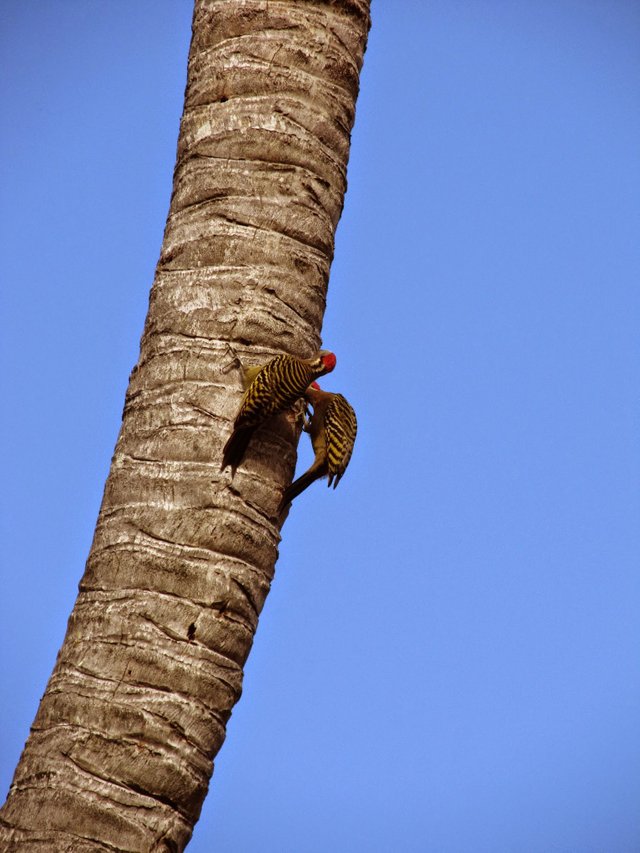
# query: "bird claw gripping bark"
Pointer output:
{"type": "Point", "coordinates": [306, 419]}
{"type": "Point", "coordinates": [235, 359]}
{"type": "Point", "coordinates": [333, 431]}
{"type": "Point", "coordinates": [269, 390]}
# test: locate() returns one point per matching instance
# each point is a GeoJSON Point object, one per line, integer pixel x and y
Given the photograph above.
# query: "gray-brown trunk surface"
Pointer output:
{"type": "Point", "coordinates": [121, 750]}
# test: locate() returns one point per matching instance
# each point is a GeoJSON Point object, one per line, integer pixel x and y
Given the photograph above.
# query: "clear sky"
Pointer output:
{"type": "Point", "coordinates": [449, 660]}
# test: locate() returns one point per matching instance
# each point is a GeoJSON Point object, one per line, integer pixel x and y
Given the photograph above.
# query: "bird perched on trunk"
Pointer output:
{"type": "Point", "coordinates": [270, 390]}
{"type": "Point", "coordinates": [333, 428]}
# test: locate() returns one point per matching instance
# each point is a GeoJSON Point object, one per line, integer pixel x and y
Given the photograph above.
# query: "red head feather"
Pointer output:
{"type": "Point", "coordinates": [329, 361]}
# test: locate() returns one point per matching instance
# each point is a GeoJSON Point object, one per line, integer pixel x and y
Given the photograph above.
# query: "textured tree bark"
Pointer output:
{"type": "Point", "coordinates": [121, 750]}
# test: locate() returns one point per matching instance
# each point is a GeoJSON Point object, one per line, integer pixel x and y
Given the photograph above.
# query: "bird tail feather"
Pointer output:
{"type": "Point", "coordinates": [235, 448]}
{"type": "Point", "coordinates": [298, 486]}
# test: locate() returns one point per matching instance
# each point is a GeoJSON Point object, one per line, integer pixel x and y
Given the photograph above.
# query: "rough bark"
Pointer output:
{"type": "Point", "coordinates": [121, 750]}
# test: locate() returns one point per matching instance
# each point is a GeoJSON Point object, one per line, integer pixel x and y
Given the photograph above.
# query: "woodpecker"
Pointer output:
{"type": "Point", "coordinates": [333, 428]}
{"type": "Point", "coordinates": [269, 390]}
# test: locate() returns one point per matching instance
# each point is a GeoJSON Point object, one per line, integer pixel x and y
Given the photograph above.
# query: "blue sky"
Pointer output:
{"type": "Point", "coordinates": [449, 660]}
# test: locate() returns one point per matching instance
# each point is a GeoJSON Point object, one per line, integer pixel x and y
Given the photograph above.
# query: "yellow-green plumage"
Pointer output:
{"type": "Point", "coordinates": [272, 389]}
{"type": "Point", "coordinates": [333, 431]}
{"type": "Point", "coordinates": [340, 426]}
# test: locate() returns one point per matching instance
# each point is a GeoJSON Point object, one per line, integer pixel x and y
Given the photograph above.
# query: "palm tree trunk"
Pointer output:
{"type": "Point", "coordinates": [121, 751]}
